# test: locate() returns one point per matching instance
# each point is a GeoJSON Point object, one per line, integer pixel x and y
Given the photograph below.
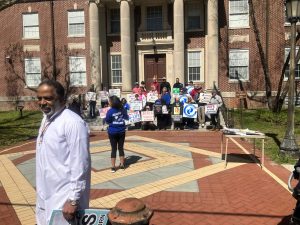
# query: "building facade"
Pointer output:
{"type": "Point", "coordinates": [114, 43]}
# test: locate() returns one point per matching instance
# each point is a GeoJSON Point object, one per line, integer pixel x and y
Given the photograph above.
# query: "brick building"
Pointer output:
{"type": "Point", "coordinates": [114, 43]}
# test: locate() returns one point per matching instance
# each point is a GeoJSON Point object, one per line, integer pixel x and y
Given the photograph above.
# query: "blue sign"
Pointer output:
{"type": "Point", "coordinates": [183, 99]}
{"type": "Point", "coordinates": [83, 217]}
{"type": "Point", "coordinates": [190, 110]}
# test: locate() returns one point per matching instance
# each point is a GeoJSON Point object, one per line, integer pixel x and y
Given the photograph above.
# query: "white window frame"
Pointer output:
{"type": "Point", "coordinates": [232, 14]}
{"type": "Point", "coordinates": [32, 73]}
{"type": "Point", "coordinates": [201, 64]}
{"type": "Point", "coordinates": [297, 64]}
{"type": "Point", "coordinates": [81, 23]}
{"type": "Point", "coordinates": [77, 70]}
{"type": "Point", "coordinates": [241, 51]}
{"type": "Point", "coordinates": [32, 25]}
{"type": "Point", "coordinates": [187, 7]}
{"type": "Point", "coordinates": [115, 69]}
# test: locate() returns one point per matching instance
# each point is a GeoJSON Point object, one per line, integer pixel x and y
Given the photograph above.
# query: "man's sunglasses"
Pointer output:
{"type": "Point", "coordinates": [46, 98]}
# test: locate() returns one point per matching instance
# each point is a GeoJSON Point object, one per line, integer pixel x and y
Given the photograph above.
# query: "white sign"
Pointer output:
{"type": "Point", "coordinates": [190, 110]}
{"type": "Point", "coordinates": [103, 112]}
{"type": "Point", "coordinates": [130, 98]}
{"type": "Point", "coordinates": [152, 97]}
{"type": "Point", "coordinates": [147, 116]}
{"type": "Point", "coordinates": [204, 97]}
{"type": "Point", "coordinates": [82, 217]}
{"type": "Point", "coordinates": [103, 96]}
{"type": "Point", "coordinates": [183, 99]}
{"type": "Point", "coordinates": [134, 117]}
{"type": "Point", "coordinates": [136, 105]}
{"type": "Point", "coordinates": [91, 96]}
{"type": "Point", "coordinates": [116, 92]}
{"type": "Point", "coordinates": [164, 109]}
{"type": "Point", "coordinates": [211, 109]}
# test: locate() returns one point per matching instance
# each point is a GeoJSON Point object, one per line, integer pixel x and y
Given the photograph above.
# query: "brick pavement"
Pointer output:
{"type": "Point", "coordinates": [241, 194]}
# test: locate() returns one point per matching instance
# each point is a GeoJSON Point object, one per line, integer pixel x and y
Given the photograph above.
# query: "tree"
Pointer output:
{"type": "Point", "coordinates": [16, 77]}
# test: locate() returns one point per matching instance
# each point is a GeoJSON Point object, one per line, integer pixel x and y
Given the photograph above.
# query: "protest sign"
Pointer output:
{"type": "Point", "coordinates": [103, 112]}
{"type": "Point", "coordinates": [164, 109]}
{"type": "Point", "coordinates": [134, 117]}
{"type": "Point", "coordinates": [175, 92]}
{"type": "Point", "coordinates": [147, 116]}
{"type": "Point", "coordinates": [82, 217]}
{"type": "Point", "coordinates": [204, 97]}
{"type": "Point", "coordinates": [176, 110]}
{"type": "Point", "coordinates": [177, 118]}
{"type": "Point", "coordinates": [157, 109]}
{"type": "Point", "coordinates": [152, 97]}
{"type": "Point", "coordinates": [103, 95]}
{"type": "Point", "coordinates": [116, 92]}
{"type": "Point", "coordinates": [91, 96]}
{"type": "Point", "coordinates": [183, 99]}
{"type": "Point", "coordinates": [211, 109]}
{"type": "Point", "coordinates": [130, 98]}
{"type": "Point", "coordinates": [190, 110]}
{"type": "Point", "coordinates": [136, 105]}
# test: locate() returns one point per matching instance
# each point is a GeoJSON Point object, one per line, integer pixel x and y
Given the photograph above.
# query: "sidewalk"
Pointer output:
{"type": "Point", "coordinates": [179, 174]}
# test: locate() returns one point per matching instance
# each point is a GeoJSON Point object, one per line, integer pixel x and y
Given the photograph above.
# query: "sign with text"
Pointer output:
{"type": "Point", "coordinates": [190, 110]}
{"type": "Point", "coordinates": [83, 217]}
{"type": "Point", "coordinates": [164, 109]}
{"type": "Point", "coordinates": [136, 105]}
{"type": "Point", "coordinates": [176, 110]}
{"type": "Point", "coordinates": [116, 92]}
{"type": "Point", "coordinates": [152, 97]}
{"type": "Point", "coordinates": [91, 96]}
{"type": "Point", "coordinates": [157, 109]}
{"type": "Point", "coordinates": [103, 112]}
{"type": "Point", "coordinates": [204, 97]}
{"type": "Point", "coordinates": [177, 118]}
{"type": "Point", "coordinates": [134, 117]}
{"type": "Point", "coordinates": [147, 116]}
{"type": "Point", "coordinates": [211, 109]}
{"type": "Point", "coordinates": [103, 95]}
{"type": "Point", "coordinates": [130, 98]}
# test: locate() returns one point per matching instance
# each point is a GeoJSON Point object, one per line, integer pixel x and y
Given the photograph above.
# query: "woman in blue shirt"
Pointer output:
{"type": "Point", "coordinates": [115, 118]}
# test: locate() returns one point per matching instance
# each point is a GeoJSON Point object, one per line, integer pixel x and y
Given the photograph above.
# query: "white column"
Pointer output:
{"type": "Point", "coordinates": [126, 40]}
{"type": "Point", "coordinates": [94, 43]}
{"type": "Point", "coordinates": [103, 47]}
{"type": "Point", "coordinates": [212, 44]}
{"type": "Point", "coordinates": [179, 40]}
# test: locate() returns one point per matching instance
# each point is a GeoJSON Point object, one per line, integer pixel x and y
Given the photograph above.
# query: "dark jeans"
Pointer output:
{"type": "Point", "coordinates": [117, 142]}
{"type": "Point", "coordinates": [92, 109]}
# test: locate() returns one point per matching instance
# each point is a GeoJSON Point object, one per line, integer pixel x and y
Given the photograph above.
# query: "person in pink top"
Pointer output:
{"type": "Point", "coordinates": [136, 88]}
{"type": "Point", "coordinates": [155, 84]}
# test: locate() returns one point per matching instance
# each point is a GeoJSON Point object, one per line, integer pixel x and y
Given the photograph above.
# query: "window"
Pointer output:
{"type": "Point", "coordinates": [115, 20]}
{"type": "Point", "coordinates": [297, 69]}
{"type": "Point", "coordinates": [31, 26]}
{"type": "Point", "coordinates": [193, 16]}
{"type": "Point", "coordinates": [238, 13]}
{"type": "Point", "coordinates": [194, 66]}
{"type": "Point", "coordinates": [76, 23]}
{"type": "Point", "coordinates": [32, 72]}
{"type": "Point", "coordinates": [239, 64]}
{"type": "Point", "coordinates": [116, 69]}
{"type": "Point", "coordinates": [154, 18]}
{"type": "Point", "coordinates": [77, 71]}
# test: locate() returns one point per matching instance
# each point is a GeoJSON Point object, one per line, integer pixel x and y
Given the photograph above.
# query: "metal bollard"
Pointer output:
{"type": "Point", "coordinates": [130, 211]}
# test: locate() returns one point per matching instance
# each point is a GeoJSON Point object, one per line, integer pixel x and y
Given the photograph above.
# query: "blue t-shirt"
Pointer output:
{"type": "Point", "coordinates": [116, 120]}
{"type": "Point", "coordinates": [167, 98]}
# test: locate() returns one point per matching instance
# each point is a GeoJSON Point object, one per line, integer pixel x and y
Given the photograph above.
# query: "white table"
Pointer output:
{"type": "Point", "coordinates": [254, 137]}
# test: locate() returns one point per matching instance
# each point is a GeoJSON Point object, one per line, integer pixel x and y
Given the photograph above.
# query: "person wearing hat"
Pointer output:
{"type": "Point", "coordinates": [136, 88]}
{"type": "Point", "coordinates": [165, 84]}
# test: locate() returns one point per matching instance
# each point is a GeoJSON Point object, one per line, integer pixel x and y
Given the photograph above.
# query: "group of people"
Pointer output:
{"type": "Point", "coordinates": [167, 100]}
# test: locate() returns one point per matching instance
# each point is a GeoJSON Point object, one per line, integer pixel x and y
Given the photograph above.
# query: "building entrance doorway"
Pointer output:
{"type": "Point", "coordinates": [155, 66]}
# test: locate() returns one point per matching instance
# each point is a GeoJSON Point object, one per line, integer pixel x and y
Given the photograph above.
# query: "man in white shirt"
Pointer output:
{"type": "Point", "coordinates": [215, 99]}
{"type": "Point", "coordinates": [63, 163]}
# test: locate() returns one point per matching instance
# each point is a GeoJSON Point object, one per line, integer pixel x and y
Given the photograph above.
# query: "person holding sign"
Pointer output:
{"type": "Point", "coordinates": [91, 98]}
{"type": "Point", "coordinates": [215, 99]}
{"type": "Point", "coordinates": [115, 118]}
{"type": "Point", "coordinates": [177, 114]}
{"type": "Point", "coordinates": [63, 163]}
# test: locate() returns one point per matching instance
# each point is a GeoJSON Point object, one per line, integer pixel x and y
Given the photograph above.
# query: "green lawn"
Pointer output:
{"type": "Point", "coordinates": [15, 129]}
{"type": "Point", "coordinates": [273, 125]}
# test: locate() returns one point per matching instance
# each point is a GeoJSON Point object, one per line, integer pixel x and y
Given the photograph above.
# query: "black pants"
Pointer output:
{"type": "Point", "coordinates": [92, 109]}
{"type": "Point", "coordinates": [117, 142]}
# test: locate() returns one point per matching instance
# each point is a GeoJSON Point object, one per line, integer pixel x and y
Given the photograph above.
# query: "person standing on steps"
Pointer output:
{"type": "Point", "coordinates": [115, 118]}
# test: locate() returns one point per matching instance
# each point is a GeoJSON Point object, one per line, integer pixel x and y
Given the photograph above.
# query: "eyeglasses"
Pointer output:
{"type": "Point", "coordinates": [46, 98]}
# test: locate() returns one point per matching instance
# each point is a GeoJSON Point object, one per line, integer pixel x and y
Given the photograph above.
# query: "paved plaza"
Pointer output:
{"type": "Point", "coordinates": [180, 175]}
